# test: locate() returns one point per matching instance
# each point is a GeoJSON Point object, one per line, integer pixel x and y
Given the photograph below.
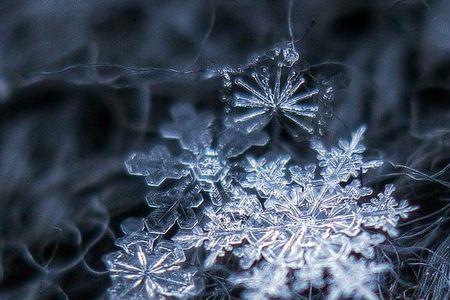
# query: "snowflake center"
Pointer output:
{"type": "Point", "coordinates": [209, 165]}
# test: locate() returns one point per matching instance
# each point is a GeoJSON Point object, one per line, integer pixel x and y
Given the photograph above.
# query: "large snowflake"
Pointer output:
{"type": "Point", "coordinates": [310, 221]}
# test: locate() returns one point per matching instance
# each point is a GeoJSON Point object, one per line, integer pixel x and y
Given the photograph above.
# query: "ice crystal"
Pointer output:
{"type": "Point", "coordinates": [274, 87]}
{"type": "Point", "coordinates": [174, 205]}
{"type": "Point", "coordinates": [309, 221]}
{"type": "Point", "coordinates": [202, 166]}
{"type": "Point", "coordinates": [145, 274]}
{"type": "Point", "coordinates": [157, 166]}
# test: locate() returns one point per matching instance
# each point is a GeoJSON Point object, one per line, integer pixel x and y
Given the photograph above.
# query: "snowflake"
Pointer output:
{"type": "Point", "coordinates": [274, 87]}
{"type": "Point", "coordinates": [307, 220]}
{"type": "Point", "coordinates": [191, 128]}
{"type": "Point", "coordinates": [145, 274]}
{"type": "Point", "coordinates": [203, 165]}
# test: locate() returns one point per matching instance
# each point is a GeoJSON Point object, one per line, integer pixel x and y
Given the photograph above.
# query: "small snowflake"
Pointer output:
{"type": "Point", "coordinates": [157, 165]}
{"type": "Point", "coordinates": [143, 274]}
{"type": "Point", "coordinates": [274, 87]}
{"type": "Point", "coordinates": [190, 127]}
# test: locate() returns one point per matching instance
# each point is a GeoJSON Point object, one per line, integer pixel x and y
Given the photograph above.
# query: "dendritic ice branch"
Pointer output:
{"type": "Point", "coordinates": [175, 204]}
{"type": "Point", "coordinates": [263, 282]}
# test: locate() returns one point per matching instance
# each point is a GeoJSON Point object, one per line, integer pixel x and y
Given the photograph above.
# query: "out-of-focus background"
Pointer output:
{"type": "Point", "coordinates": [82, 83]}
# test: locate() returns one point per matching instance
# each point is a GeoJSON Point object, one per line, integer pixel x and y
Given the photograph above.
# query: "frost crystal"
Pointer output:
{"type": "Point", "coordinates": [145, 274]}
{"type": "Point", "coordinates": [274, 87]}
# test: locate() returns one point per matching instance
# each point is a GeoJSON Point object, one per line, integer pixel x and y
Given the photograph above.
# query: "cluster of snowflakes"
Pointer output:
{"type": "Point", "coordinates": [293, 228]}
